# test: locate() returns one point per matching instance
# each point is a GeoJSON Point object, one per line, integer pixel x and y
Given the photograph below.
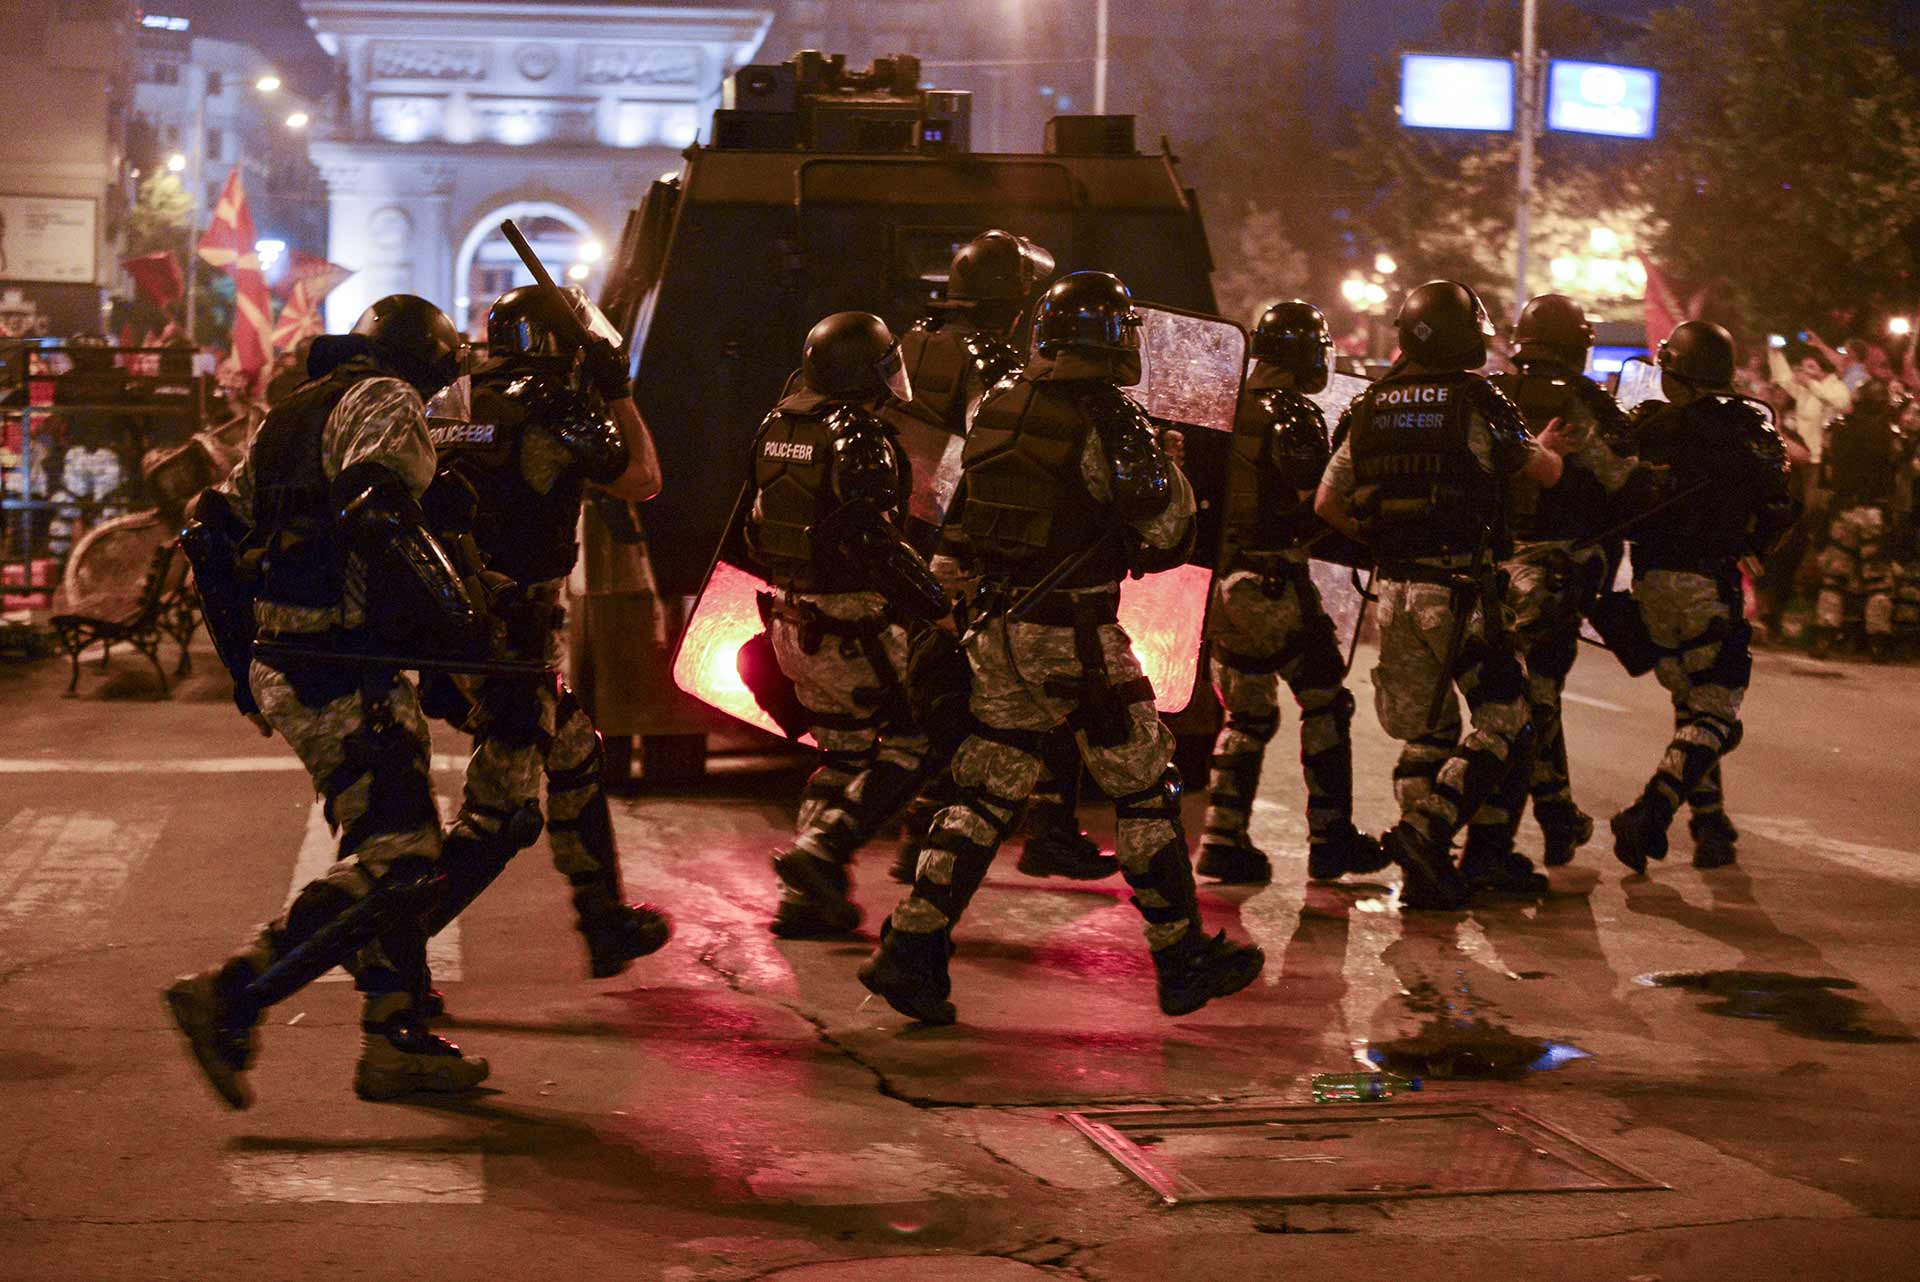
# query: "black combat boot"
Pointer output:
{"type": "Point", "coordinates": [1640, 833]}
{"type": "Point", "coordinates": [1430, 882]}
{"type": "Point", "coordinates": [399, 1055]}
{"type": "Point", "coordinates": [220, 1027]}
{"type": "Point", "coordinates": [1564, 828]}
{"type": "Point", "coordinates": [909, 971]}
{"type": "Point", "coordinates": [1233, 861]}
{"type": "Point", "coordinates": [1196, 968]}
{"type": "Point", "coordinates": [1056, 847]}
{"type": "Point", "coordinates": [1713, 839]}
{"type": "Point", "coordinates": [816, 905]}
{"type": "Point", "coordinates": [1344, 850]}
{"type": "Point", "coordinates": [1492, 866]}
{"type": "Point", "coordinates": [616, 933]}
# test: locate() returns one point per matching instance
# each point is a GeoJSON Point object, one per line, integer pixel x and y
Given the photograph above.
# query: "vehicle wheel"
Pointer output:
{"type": "Point", "coordinates": [673, 759]}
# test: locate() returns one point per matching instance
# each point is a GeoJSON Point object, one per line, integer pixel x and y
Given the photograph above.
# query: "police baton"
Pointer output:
{"type": "Point", "coordinates": [543, 282]}
{"type": "Point", "coordinates": [504, 669]}
{"type": "Point", "coordinates": [1048, 582]}
{"type": "Point", "coordinates": [1614, 532]}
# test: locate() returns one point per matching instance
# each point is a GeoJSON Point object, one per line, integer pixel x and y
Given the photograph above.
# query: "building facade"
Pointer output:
{"type": "Point", "coordinates": [459, 113]}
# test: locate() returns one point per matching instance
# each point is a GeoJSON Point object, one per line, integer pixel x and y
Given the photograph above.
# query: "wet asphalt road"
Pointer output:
{"type": "Point", "coordinates": [731, 1109]}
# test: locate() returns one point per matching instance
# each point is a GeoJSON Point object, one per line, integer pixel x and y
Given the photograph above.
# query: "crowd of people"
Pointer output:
{"type": "Point", "coordinates": [393, 515]}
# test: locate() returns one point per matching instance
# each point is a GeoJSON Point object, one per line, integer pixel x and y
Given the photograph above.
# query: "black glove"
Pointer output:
{"type": "Point", "coordinates": [606, 370]}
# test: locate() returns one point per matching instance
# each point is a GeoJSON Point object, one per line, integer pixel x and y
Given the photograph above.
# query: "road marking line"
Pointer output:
{"type": "Point", "coordinates": [178, 765]}
{"type": "Point", "coordinates": [1589, 701]}
{"type": "Point", "coordinates": [317, 849]}
{"type": "Point", "coordinates": [1881, 861]}
{"type": "Point", "coordinates": [369, 1177]}
{"type": "Point", "coordinates": [70, 865]}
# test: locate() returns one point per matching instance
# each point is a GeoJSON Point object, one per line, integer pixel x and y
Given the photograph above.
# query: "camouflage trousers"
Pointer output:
{"type": "Point", "coordinates": [1547, 588]}
{"type": "Point", "coordinates": [1705, 664]}
{"type": "Point", "coordinates": [1266, 629]}
{"type": "Point", "coordinates": [1029, 678]}
{"type": "Point", "coordinates": [1443, 779]}
{"type": "Point", "coordinates": [1854, 568]}
{"type": "Point", "coordinates": [370, 765]}
{"type": "Point", "coordinates": [845, 659]}
{"type": "Point", "coordinates": [524, 731]}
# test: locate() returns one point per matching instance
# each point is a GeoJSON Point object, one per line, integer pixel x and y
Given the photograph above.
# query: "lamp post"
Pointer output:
{"type": "Point", "coordinates": [1099, 57]}
{"type": "Point", "coordinates": [1528, 125]}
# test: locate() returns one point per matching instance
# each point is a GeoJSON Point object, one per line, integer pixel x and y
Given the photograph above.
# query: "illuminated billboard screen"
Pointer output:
{"type": "Point", "coordinates": [1439, 92]}
{"type": "Point", "coordinates": [1600, 98]}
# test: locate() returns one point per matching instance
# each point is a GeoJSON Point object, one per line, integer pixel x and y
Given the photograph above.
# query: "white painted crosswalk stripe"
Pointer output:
{"type": "Point", "coordinates": [317, 849]}
{"type": "Point", "coordinates": [1588, 701]}
{"type": "Point", "coordinates": [69, 866]}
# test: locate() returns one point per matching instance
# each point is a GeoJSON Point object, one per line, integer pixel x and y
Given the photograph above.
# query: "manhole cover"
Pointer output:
{"type": "Point", "coordinates": [1316, 1153]}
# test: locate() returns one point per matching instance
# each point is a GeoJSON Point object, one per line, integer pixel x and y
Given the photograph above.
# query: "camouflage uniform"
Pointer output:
{"type": "Point", "coordinates": [385, 816]}
{"type": "Point", "coordinates": [1549, 581]}
{"type": "Point", "coordinates": [1266, 624]}
{"type": "Point", "coordinates": [1687, 589]}
{"type": "Point", "coordinates": [525, 443]}
{"type": "Point", "coordinates": [1854, 567]}
{"type": "Point", "coordinates": [1067, 663]}
{"type": "Point", "coordinates": [1441, 779]}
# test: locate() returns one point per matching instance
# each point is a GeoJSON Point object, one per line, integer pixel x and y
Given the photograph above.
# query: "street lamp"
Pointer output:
{"type": "Point", "coordinates": [268, 83]}
{"type": "Point", "coordinates": [176, 163]}
{"type": "Point", "coordinates": [298, 120]}
{"type": "Point", "coordinates": [1384, 264]}
{"type": "Point", "coordinates": [1899, 327]}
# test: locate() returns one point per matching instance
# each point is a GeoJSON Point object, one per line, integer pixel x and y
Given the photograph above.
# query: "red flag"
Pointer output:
{"type": "Point", "coordinates": [157, 277]}
{"type": "Point", "coordinates": [1665, 308]}
{"type": "Point", "coordinates": [229, 245]}
{"type": "Point", "coordinates": [301, 266]}
{"type": "Point", "coordinates": [301, 317]}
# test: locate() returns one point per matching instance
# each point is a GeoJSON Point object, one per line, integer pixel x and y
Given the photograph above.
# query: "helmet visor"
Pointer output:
{"type": "Point", "coordinates": [892, 371]}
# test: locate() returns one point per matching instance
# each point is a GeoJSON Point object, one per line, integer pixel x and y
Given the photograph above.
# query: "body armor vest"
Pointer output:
{"type": "Point", "coordinates": [1026, 506]}
{"type": "Point", "coordinates": [528, 536]}
{"type": "Point", "coordinates": [295, 526]}
{"type": "Point", "coordinates": [1860, 461]}
{"type": "Point", "coordinates": [1417, 485]}
{"type": "Point", "coordinates": [950, 365]}
{"type": "Point", "coordinates": [1577, 506]}
{"type": "Point", "coordinates": [1714, 447]}
{"type": "Point", "coordinates": [794, 494]}
{"type": "Point", "coordinates": [1279, 449]}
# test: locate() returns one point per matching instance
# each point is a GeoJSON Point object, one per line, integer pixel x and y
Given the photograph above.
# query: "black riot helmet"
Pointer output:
{"type": "Point", "coordinates": [1087, 312]}
{"type": "Point", "coordinates": [414, 339]}
{"type": "Point", "coordinates": [522, 320]}
{"type": "Point", "coordinates": [997, 267]}
{"type": "Point", "coordinates": [1699, 354]}
{"type": "Point", "coordinates": [1553, 328]}
{"type": "Point", "coordinates": [1293, 336]}
{"type": "Point", "coordinates": [1444, 325]}
{"type": "Point", "coordinates": [853, 356]}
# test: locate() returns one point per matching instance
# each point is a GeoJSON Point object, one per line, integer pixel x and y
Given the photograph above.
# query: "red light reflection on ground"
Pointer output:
{"type": "Point", "coordinates": [1164, 613]}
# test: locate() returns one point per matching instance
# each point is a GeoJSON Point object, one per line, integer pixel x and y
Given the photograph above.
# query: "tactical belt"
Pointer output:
{"type": "Point", "coordinates": [1088, 611]}
{"type": "Point", "coordinates": [1445, 574]}
{"type": "Point", "coordinates": [815, 625]}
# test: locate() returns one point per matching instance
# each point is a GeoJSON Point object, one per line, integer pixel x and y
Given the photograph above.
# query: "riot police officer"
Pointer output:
{"type": "Point", "coordinates": [953, 358]}
{"type": "Point", "coordinates": [1731, 469]}
{"type": "Point", "coordinates": [1857, 470]}
{"type": "Point", "coordinates": [1421, 473]}
{"type": "Point", "coordinates": [1267, 622]}
{"type": "Point", "coordinates": [324, 510]}
{"type": "Point", "coordinates": [1556, 567]}
{"type": "Point", "coordinates": [519, 441]}
{"type": "Point", "coordinates": [830, 485]}
{"type": "Point", "coordinates": [1063, 481]}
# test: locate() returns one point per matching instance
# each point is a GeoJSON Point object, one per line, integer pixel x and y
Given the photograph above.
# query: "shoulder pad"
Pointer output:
{"type": "Point", "coordinates": [1343, 426]}
{"type": "Point", "coordinates": [571, 419]}
{"type": "Point", "coordinates": [1607, 414]}
{"type": "Point", "coordinates": [1109, 407]}
{"type": "Point", "coordinates": [1502, 415]}
{"type": "Point", "coordinates": [991, 359]}
{"type": "Point", "coordinates": [1292, 414]}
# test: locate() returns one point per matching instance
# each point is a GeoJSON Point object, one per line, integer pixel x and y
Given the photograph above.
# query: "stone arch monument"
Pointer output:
{"type": "Point", "coordinates": [460, 112]}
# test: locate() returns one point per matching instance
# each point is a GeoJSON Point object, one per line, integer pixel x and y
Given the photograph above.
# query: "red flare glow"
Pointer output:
{"type": "Point", "coordinates": [1164, 614]}
{"type": "Point", "coordinates": [726, 618]}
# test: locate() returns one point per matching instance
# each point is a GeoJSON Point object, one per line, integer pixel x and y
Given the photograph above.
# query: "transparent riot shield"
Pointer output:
{"type": "Point", "coordinates": [724, 620]}
{"type": "Point", "coordinates": [1192, 369]}
{"type": "Point", "coordinates": [1340, 584]}
{"type": "Point", "coordinates": [1639, 382]}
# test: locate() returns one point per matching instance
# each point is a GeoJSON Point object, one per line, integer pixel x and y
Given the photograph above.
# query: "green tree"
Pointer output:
{"type": "Point", "coordinates": [1787, 172]}
{"type": "Point", "coordinates": [1259, 262]}
{"type": "Point", "coordinates": [159, 217]}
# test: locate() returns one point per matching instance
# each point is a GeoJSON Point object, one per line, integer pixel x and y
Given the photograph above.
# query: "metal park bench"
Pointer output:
{"type": "Point", "coordinates": [165, 608]}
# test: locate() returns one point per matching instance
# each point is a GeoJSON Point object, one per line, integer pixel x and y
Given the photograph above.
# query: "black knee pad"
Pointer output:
{"type": "Point", "coordinates": [1169, 873]}
{"type": "Point", "coordinates": [1553, 656]}
{"type": "Point", "coordinates": [1733, 665]}
{"type": "Point", "coordinates": [1254, 726]}
{"type": "Point", "coordinates": [1501, 676]}
{"type": "Point", "coordinates": [1159, 800]}
{"type": "Point", "coordinates": [1340, 708]}
{"type": "Point", "coordinates": [999, 812]}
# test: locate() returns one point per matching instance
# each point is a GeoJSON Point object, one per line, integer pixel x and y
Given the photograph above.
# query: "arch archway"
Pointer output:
{"type": "Point", "coordinates": [487, 267]}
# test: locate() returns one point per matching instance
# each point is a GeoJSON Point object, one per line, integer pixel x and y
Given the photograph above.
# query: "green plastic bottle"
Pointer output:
{"type": "Point", "coordinates": [1359, 1088]}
